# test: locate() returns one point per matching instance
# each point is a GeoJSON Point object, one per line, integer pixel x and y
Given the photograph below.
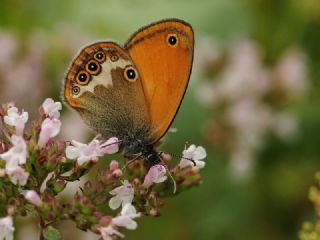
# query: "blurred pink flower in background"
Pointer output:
{"type": "Point", "coordinates": [292, 72]}
{"type": "Point", "coordinates": [247, 93]}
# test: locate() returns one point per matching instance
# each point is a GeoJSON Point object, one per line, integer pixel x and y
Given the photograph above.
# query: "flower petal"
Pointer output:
{"type": "Point", "coordinates": [199, 153]}
{"type": "Point", "coordinates": [115, 202]}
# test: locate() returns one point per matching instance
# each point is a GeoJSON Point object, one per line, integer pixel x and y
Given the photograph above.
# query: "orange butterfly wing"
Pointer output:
{"type": "Point", "coordinates": [163, 54]}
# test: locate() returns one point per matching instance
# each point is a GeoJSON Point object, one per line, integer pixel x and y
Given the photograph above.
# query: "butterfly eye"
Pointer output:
{"type": "Point", "coordinates": [75, 90]}
{"type": "Point", "coordinates": [100, 56]}
{"type": "Point", "coordinates": [83, 78]}
{"type": "Point", "coordinates": [172, 40]}
{"type": "Point", "coordinates": [130, 74]}
{"type": "Point", "coordinates": [114, 58]}
{"type": "Point", "coordinates": [93, 67]}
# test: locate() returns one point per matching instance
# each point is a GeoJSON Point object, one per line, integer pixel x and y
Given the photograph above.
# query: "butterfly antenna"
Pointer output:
{"type": "Point", "coordinates": [189, 159]}
{"type": "Point", "coordinates": [130, 162]}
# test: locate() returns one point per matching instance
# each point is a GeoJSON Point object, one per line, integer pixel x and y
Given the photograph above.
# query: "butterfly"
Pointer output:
{"type": "Point", "coordinates": [133, 92]}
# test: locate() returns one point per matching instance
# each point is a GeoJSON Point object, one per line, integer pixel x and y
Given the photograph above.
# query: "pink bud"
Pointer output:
{"type": "Point", "coordinates": [33, 197]}
{"type": "Point", "coordinates": [166, 156]}
{"type": "Point", "coordinates": [113, 165]}
{"type": "Point", "coordinates": [117, 173]}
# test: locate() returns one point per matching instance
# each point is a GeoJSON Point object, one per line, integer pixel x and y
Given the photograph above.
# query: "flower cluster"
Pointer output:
{"type": "Point", "coordinates": [35, 168]}
{"type": "Point", "coordinates": [311, 231]}
{"type": "Point", "coordinates": [248, 97]}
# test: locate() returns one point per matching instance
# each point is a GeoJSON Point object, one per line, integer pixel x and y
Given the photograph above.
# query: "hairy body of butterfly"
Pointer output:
{"type": "Point", "coordinates": [133, 92]}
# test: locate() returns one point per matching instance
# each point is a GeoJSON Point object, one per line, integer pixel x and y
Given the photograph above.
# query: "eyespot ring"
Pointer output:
{"type": "Point", "coordinates": [172, 40]}
{"type": "Point", "coordinates": [130, 74]}
{"type": "Point", "coordinates": [114, 58]}
{"type": "Point", "coordinates": [93, 67]}
{"type": "Point", "coordinates": [83, 78]}
{"type": "Point", "coordinates": [75, 90]}
{"type": "Point", "coordinates": [100, 56]}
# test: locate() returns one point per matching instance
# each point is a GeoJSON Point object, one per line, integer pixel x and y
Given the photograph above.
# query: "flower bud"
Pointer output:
{"type": "Point", "coordinates": [117, 173]}
{"type": "Point", "coordinates": [105, 221]}
{"type": "Point", "coordinates": [113, 165]}
{"type": "Point", "coordinates": [59, 186]}
{"type": "Point", "coordinates": [33, 197]}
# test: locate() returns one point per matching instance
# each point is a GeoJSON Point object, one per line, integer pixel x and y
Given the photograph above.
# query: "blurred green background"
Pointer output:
{"type": "Point", "coordinates": [252, 189]}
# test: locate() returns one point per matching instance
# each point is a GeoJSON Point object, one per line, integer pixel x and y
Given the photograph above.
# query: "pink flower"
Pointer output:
{"type": "Point", "coordinates": [17, 154]}
{"type": "Point", "coordinates": [86, 152]}
{"type": "Point", "coordinates": [6, 228]}
{"type": "Point", "coordinates": [108, 232]}
{"type": "Point", "coordinates": [51, 108]}
{"type": "Point", "coordinates": [17, 175]}
{"type": "Point", "coordinates": [32, 197]}
{"type": "Point", "coordinates": [17, 120]}
{"type": "Point", "coordinates": [83, 152]}
{"type": "Point", "coordinates": [49, 129]}
{"type": "Point", "coordinates": [193, 155]}
{"type": "Point", "coordinates": [156, 174]}
{"type": "Point", "coordinates": [110, 146]}
{"type": "Point", "coordinates": [125, 219]}
{"type": "Point", "coordinates": [123, 195]}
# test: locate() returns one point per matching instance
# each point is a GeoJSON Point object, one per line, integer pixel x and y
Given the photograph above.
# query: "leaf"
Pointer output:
{"type": "Point", "coordinates": [51, 233]}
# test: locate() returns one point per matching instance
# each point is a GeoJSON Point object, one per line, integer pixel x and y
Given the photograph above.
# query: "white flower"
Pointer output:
{"type": "Point", "coordinates": [17, 175]}
{"type": "Point", "coordinates": [49, 129]}
{"type": "Point", "coordinates": [108, 232]}
{"type": "Point", "coordinates": [195, 154]}
{"type": "Point", "coordinates": [32, 197]}
{"type": "Point", "coordinates": [51, 108]}
{"type": "Point", "coordinates": [17, 120]}
{"type": "Point", "coordinates": [123, 195]}
{"type": "Point", "coordinates": [125, 219]}
{"type": "Point", "coordinates": [86, 152]}
{"type": "Point", "coordinates": [156, 174]}
{"type": "Point", "coordinates": [6, 228]}
{"type": "Point", "coordinates": [17, 154]}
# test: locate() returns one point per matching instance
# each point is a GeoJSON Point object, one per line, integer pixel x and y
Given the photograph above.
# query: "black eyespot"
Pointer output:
{"type": "Point", "coordinates": [83, 77]}
{"type": "Point", "coordinates": [130, 74]}
{"type": "Point", "coordinates": [93, 67]}
{"type": "Point", "coordinates": [75, 90]}
{"type": "Point", "coordinates": [172, 40]}
{"type": "Point", "coordinates": [100, 56]}
{"type": "Point", "coordinates": [114, 58]}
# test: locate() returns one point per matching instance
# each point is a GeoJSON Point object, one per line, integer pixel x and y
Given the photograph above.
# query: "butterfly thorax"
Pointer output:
{"type": "Point", "coordinates": [140, 148]}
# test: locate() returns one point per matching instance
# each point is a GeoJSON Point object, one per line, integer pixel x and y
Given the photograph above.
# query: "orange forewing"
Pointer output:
{"type": "Point", "coordinates": [164, 70]}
